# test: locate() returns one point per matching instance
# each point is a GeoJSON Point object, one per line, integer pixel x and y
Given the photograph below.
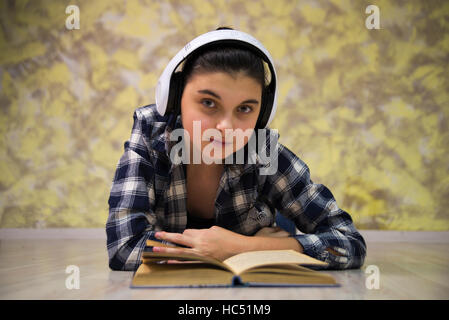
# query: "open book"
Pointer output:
{"type": "Point", "coordinates": [253, 268]}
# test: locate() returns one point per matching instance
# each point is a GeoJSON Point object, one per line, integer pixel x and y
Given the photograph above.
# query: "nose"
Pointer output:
{"type": "Point", "coordinates": [225, 126]}
{"type": "Point", "coordinates": [225, 122]}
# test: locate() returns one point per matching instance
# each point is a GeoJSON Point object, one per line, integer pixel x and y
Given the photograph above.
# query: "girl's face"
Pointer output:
{"type": "Point", "coordinates": [223, 102]}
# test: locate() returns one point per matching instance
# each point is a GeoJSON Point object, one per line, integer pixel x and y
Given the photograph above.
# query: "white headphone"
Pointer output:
{"type": "Point", "coordinates": [213, 37]}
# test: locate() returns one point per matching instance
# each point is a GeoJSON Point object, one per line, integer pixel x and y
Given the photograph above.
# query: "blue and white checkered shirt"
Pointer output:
{"type": "Point", "coordinates": [149, 194]}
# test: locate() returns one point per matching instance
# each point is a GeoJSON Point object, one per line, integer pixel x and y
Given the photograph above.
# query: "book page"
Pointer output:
{"type": "Point", "coordinates": [247, 260]}
{"type": "Point", "coordinates": [181, 275]}
{"type": "Point", "coordinates": [161, 256]}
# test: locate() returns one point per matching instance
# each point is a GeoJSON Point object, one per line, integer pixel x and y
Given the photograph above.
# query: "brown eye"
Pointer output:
{"type": "Point", "coordinates": [245, 109]}
{"type": "Point", "coordinates": [208, 103]}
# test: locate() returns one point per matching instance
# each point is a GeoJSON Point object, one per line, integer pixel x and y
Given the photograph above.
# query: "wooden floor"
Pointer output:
{"type": "Point", "coordinates": [36, 269]}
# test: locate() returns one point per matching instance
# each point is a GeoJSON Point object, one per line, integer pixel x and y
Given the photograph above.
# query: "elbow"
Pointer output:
{"type": "Point", "coordinates": [124, 247]}
{"type": "Point", "coordinates": [358, 251]}
{"type": "Point", "coordinates": [116, 264]}
{"type": "Point", "coordinates": [350, 255]}
{"type": "Point", "coordinates": [124, 254]}
{"type": "Point", "coordinates": [356, 257]}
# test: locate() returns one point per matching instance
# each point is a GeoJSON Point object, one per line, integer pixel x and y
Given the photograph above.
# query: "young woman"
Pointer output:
{"type": "Point", "coordinates": [213, 207]}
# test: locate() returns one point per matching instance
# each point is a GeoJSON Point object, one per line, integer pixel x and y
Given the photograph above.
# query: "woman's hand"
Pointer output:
{"type": "Point", "coordinates": [215, 242]}
{"type": "Point", "coordinates": [275, 232]}
{"type": "Point", "coordinates": [220, 243]}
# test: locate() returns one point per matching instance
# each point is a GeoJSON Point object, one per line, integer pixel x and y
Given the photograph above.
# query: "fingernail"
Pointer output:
{"type": "Point", "coordinates": [157, 234]}
{"type": "Point", "coordinates": [156, 249]}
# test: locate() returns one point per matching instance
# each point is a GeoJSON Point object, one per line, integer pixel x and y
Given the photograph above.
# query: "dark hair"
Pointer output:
{"type": "Point", "coordinates": [230, 58]}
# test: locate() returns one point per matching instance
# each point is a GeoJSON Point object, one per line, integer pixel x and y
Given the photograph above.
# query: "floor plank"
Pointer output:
{"type": "Point", "coordinates": [35, 269]}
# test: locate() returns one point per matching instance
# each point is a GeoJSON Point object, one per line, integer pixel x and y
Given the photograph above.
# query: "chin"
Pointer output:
{"type": "Point", "coordinates": [209, 155]}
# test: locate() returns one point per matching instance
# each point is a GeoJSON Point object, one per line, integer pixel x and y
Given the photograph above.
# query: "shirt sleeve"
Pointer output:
{"type": "Point", "coordinates": [323, 225]}
{"type": "Point", "coordinates": [131, 218]}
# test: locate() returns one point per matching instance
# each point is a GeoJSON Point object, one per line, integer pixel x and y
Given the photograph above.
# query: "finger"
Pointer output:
{"type": "Point", "coordinates": [280, 234]}
{"type": "Point", "coordinates": [169, 250]}
{"type": "Point", "coordinates": [177, 238]}
{"type": "Point", "coordinates": [180, 261]}
{"type": "Point", "coordinates": [273, 229]}
{"type": "Point", "coordinates": [267, 231]}
{"type": "Point", "coordinates": [189, 232]}
{"type": "Point", "coordinates": [264, 230]}
{"type": "Point", "coordinates": [176, 251]}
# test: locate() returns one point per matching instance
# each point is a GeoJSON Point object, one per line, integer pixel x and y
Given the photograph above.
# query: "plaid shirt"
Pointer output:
{"type": "Point", "coordinates": [149, 194]}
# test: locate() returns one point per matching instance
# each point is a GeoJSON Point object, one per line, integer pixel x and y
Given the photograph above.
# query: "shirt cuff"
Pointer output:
{"type": "Point", "coordinates": [313, 246]}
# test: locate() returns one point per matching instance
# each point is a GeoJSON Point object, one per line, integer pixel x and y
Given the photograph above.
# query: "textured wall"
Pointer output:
{"type": "Point", "coordinates": [366, 109]}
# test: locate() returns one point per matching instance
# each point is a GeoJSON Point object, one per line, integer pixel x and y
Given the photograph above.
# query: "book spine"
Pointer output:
{"type": "Point", "coordinates": [237, 281]}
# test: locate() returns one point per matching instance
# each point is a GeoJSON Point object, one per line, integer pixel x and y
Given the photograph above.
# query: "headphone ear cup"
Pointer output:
{"type": "Point", "coordinates": [265, 108]}
{"type": "Point", "coordinates": [175, 93]}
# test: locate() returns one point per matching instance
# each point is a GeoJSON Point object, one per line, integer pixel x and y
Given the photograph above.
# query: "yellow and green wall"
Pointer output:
{"type": "Point", "coordinates": [367, 110]}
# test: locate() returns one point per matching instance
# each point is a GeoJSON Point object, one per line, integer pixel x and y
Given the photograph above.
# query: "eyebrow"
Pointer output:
{"type": "Point", "coordinates": [213, 94]}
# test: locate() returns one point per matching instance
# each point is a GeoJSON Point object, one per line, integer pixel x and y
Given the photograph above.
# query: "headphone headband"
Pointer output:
{"type": "Point", "coordinates": [163, 85]}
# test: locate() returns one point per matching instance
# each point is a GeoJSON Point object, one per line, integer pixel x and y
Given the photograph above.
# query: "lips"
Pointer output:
{"type": "Point", "coordinates": [218, 141]}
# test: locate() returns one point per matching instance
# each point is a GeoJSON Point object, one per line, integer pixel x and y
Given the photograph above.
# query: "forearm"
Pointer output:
{"type": "Point", "coordinates": [221, 243]}
{"type": "Point", "coordinates": [126, 240]}
{"type": "Point", "coordinates": [268, 243]}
